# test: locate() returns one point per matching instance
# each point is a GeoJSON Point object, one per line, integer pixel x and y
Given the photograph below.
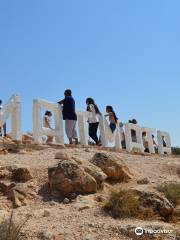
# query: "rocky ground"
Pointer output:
{"type": "Point", "coordinates": [35, 199]}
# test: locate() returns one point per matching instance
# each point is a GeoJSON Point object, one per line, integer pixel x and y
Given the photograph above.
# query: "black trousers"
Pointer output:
{"type": "Point", "coordinates": [93, 127]}
{"type": "Point", "coordinates": [4, 130]}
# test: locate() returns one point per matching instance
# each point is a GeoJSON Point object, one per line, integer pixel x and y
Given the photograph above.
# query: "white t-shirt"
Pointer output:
{"type": "Point", "coordinates": [92, 115]}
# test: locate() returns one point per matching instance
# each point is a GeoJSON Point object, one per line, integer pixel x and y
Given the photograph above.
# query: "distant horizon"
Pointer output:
{"type": "Point", "coordinates": [121, 53]}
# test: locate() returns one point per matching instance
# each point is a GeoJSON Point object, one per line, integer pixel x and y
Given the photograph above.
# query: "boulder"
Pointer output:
{"type": "Point", "coordinates": [68, 178]}
{"type": "Point", "coordinates": [97, 174]}
{"type": "Point", "coordinates": [62, 155]}
{"type": "Point", "coordinates": [21, 174]}
{"type": "Point", "coordinates": [18, 195]}
{"type": "Point", "coordinates": [155, 201]}
{"type": "Point", "coordinates": [3, 151]}
{"type": "Point", "coordinates": [112, 166]}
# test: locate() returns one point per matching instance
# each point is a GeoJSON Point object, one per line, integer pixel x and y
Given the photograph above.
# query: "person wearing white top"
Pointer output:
{"type": "Point", "coordinates": [4, 125]}
{"type": "Point", "coordinates": [93, 119]}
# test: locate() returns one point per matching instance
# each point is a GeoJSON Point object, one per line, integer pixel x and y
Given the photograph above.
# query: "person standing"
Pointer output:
{"type": "Point", "coordinates": [70, 116]}
{"type": "Point", "coordinates": [4, 125]}
{"type": "Point", "coordinates": [112, 118]}
{"type": "Point", "coordinates": [47, 124]}
{"type": "Point", "coordinates": [93, 121]}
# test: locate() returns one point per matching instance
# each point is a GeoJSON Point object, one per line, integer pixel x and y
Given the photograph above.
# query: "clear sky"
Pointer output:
{"type": "Point", "coordinates": [124, 53]}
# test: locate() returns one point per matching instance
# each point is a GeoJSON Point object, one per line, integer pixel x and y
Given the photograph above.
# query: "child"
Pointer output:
{"type": "Point", "coordinates": [112, 118]}
{"type": "Point", "coordinates": [93, 121]}
{"type": "Point", "coordinates": [47, 124]}
{"type": "Point", "coordinates": [69, 115]}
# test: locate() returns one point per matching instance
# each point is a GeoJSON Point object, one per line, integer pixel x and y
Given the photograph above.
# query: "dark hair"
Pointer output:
{"type": "Point", "coordinates": [110, 108]}
{"type": "Point", "coordinates": [91, 101]}
{"type": "Point", "coordinates": [47, 113]}
{"type": "Point", "coordinates": [68, 92]}
{"type": "Point", "coordinates": [0, 101]}
{"type": "Point", "coordinates": [133, 121]}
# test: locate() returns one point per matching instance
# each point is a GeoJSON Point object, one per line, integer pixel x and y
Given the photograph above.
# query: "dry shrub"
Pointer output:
{"type": "Point", "coordinates": [171, 191]}
{"type": "Point", "coordinates": [175, 150]}
{"type": "Point", "coordinates": [122, 204]}
{"type": "Point", "coordinates": [9, 230]}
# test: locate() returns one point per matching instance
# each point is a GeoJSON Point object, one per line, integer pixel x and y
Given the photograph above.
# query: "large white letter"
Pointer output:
{"type": "Point", "coordinates": [164, 142]}
{"type": "Point", "coordinates": [82, 116]}
{"type": "Point", "coordinates": [13, 108]}
{"type": "Point", "coordinates": [149, 132]}
{"type": "Point", "coordinates": [106, 134]}
{"type": "Point", "coordinates": [130, 144]}
{"type": "Point", "coordinates": [38, 129]}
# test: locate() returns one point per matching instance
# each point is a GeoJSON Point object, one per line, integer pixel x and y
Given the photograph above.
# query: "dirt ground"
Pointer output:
{"type": "Point", "coordinates": [47, 217]}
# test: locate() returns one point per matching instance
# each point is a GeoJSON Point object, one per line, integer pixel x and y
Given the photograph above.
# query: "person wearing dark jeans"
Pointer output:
{"type": "Point", "coordinates": [93, 120]}
{"type": "Point", "coordinates": [93, 127]}
{"type": "Point", "coordinates": [112, 118]}
{"type": "Point", "coordinates": [112, 127]}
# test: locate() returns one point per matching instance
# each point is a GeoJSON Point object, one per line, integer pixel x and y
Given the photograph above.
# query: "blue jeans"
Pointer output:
{"type": "Point", "coordinates": [112, 127]}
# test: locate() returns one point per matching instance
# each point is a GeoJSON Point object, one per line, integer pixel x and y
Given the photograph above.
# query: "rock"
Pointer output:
{"type": "Point", "coordinates": [97, 174]}
{"type": "Point", "coordinates": [143, 181]}
{"type": "Point", "coordinates": [47, 213]}
{"type": "Point", "coordinates": [18, 195]}
{"type": "Point", "coordinates": [83, 203]}
{"type": "Point", "coordinates": [48, 235]}
{"type": "Point", "coordinates": [155, 201]}
{"type": "Point", "coordinates": [112, 166]}
{"type": "Point", "coordinates": [21, 174]}
{"type": "Point", "coordinates": [89, 237]}
{"type": "Point", "coordinates": [3, 151]}
{"type": "Point", "coordinates": [68, 178]}
{"type": "Point", "coordinates": [62, 155]}
{"type": "Point", "coordinates": [66, 201]}
{"type": "Point", "coordinates": [102, 198]}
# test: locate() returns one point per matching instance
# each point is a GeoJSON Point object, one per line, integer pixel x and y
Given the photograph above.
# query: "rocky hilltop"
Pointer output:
{"type": "Point", "coordinates": [87, 193]}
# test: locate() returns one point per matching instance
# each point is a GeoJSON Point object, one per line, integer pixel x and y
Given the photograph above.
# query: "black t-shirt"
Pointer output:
{"type": "Point", "coordinates": [69, 112]}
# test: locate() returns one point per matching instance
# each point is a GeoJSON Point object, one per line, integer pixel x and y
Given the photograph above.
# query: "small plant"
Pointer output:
{"type": "Point", "coordinates": [171, 191]}
{"type": "Point", "coordinates": [9, 230]}
{"type": "Point", "coordinates": [122, 204]}
{"type": "Point", "coordinates": [175, 150]}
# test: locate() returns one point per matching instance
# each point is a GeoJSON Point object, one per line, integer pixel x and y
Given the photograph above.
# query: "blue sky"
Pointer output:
{"type": "Point", "coordinates": [123, 53]}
